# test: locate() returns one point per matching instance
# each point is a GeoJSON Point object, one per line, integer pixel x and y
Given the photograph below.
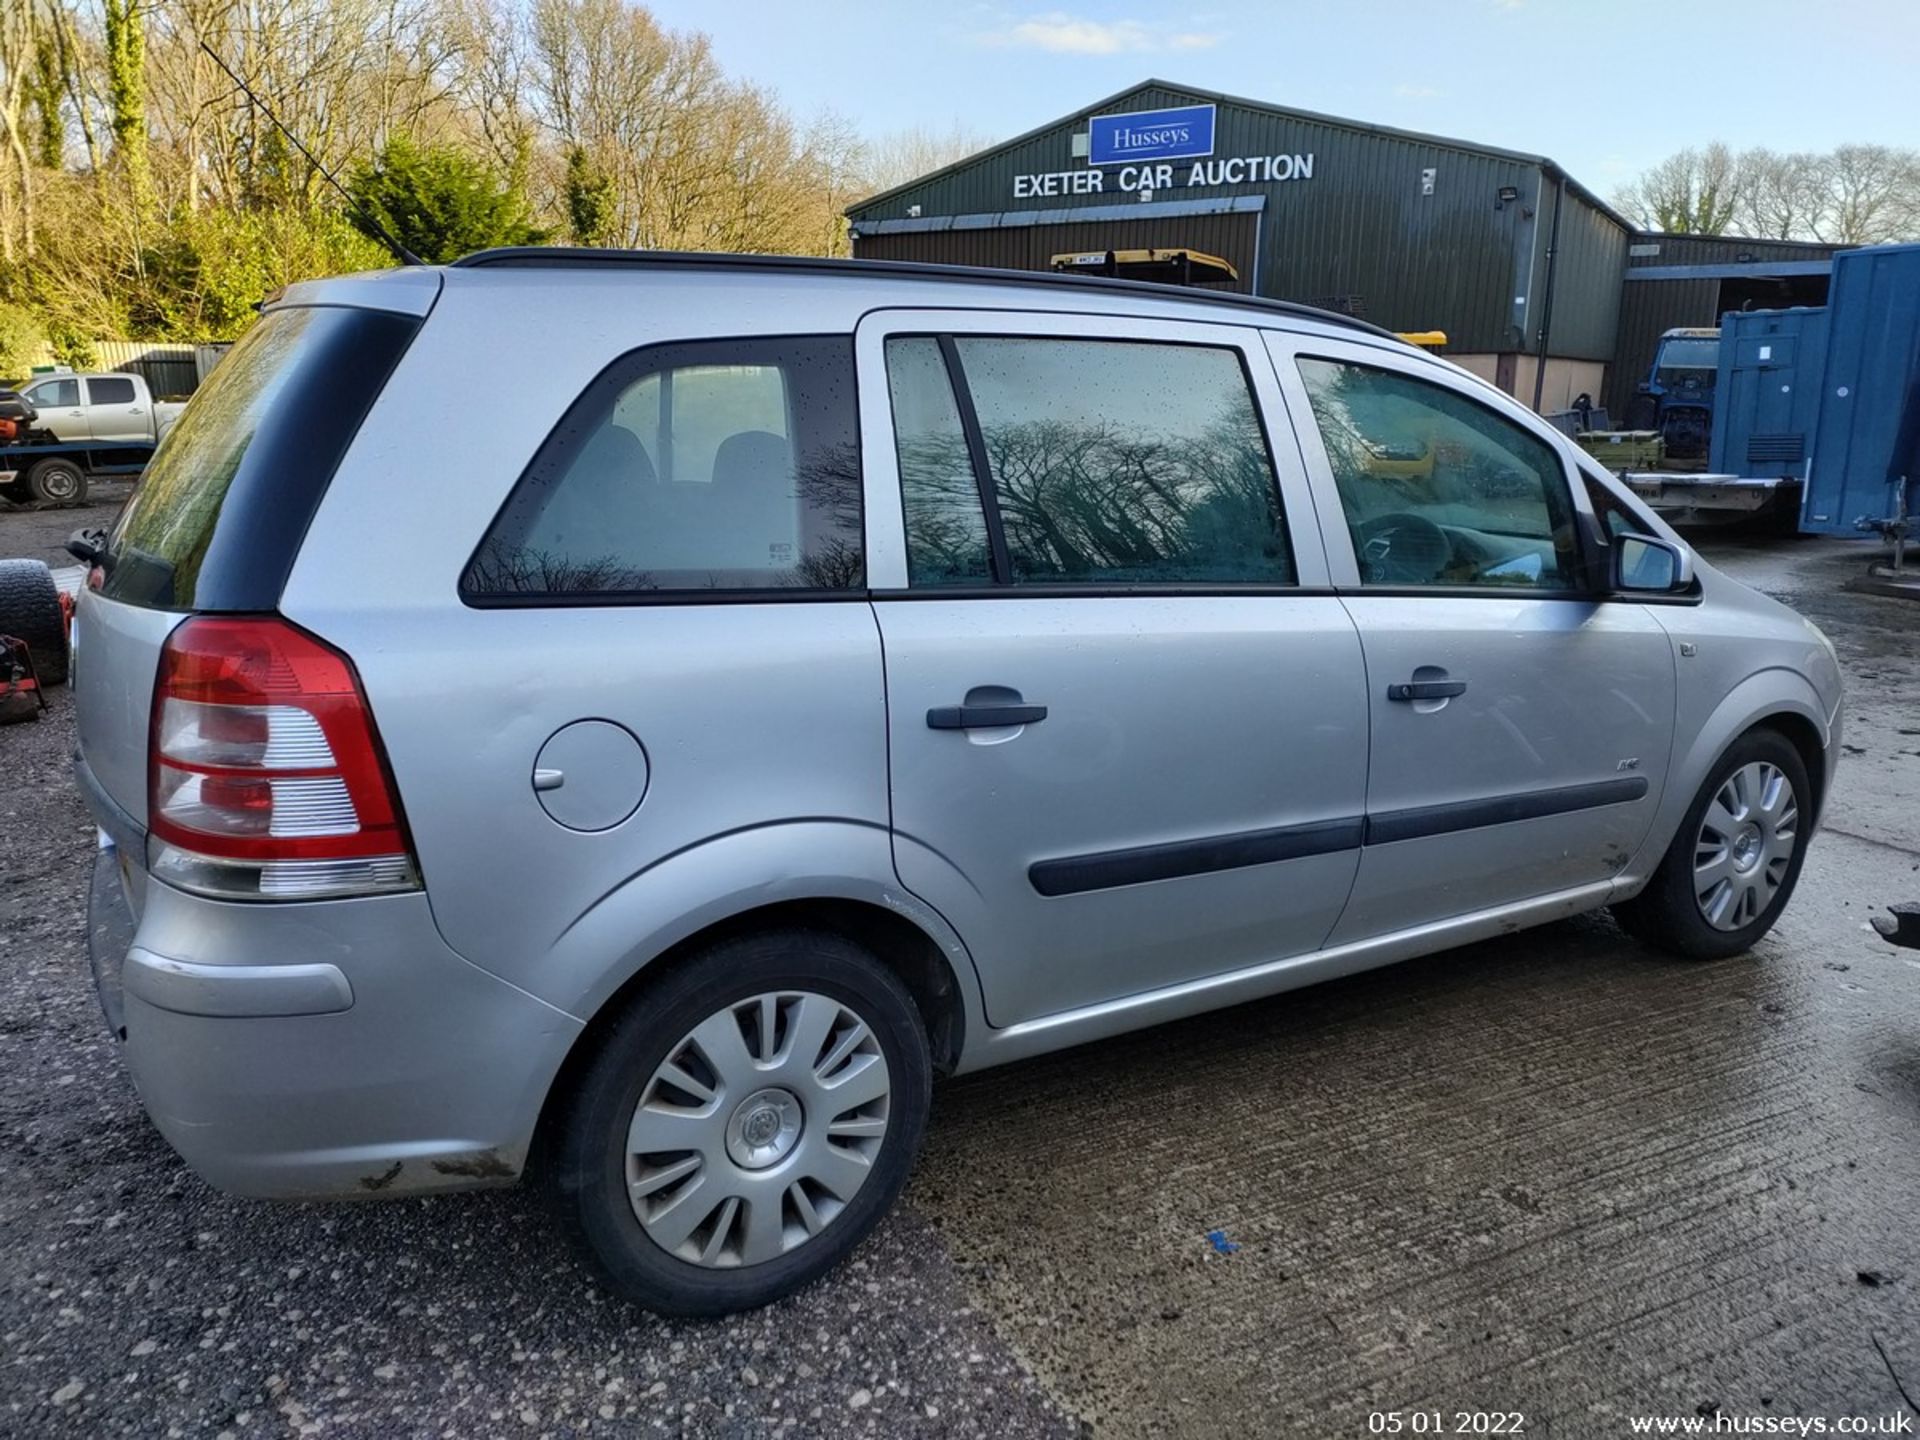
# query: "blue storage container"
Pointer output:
{"type": "Point", "coordinates": [1869, 392]}
{"type": "Point", "coordinates": [1766, 401]}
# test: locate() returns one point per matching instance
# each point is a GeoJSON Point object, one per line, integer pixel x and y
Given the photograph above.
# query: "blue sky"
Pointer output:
{"type": "Point", "coordinates": [1751, 72]}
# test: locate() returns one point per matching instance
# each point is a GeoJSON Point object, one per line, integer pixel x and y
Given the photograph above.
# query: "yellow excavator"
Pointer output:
{"type": "Point", "coordinates": [1182, 266]}
{"type": "Point", "coordinates": [1169, 267]}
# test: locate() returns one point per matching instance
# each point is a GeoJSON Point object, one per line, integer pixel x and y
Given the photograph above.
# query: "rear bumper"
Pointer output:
{"type": "Point", "coordinates": [328, 1050]}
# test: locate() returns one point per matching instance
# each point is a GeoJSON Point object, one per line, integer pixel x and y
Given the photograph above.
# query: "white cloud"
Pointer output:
{"type": "Point", "coordinates": [1064, 34]}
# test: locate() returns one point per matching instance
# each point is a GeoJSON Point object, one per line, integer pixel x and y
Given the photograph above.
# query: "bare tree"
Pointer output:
{"type": "Point", "coordinates": [1872, 195]}
{"type": "Point", "coordinates": [156, 198]}
{"type": "Point", "coordinates": [905, 155]}
{"type": "Point", "coordinates": [1780, 196]}
{"type": "Point", "coordinates": [19, 43]}
{"type": "Point", "coordinates": [1853, 195]}
{"type": "Point", "coordinates": [1689, 193]}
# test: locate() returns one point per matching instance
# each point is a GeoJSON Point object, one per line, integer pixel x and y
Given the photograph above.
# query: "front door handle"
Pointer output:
{"type": "Point", "coordinates": [983, 717]}
{"type": "Point", "coordinates": [1427, 690]}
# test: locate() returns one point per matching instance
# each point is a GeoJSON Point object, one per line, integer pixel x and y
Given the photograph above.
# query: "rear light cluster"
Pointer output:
{"type": "Point", "coordinates": [266, 780]}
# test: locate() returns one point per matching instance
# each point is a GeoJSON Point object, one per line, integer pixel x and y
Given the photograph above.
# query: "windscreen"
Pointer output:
{"type": "Point", "coordinates": [1699, 354]}
{"type": "Point", "coordinates": [219, 512]}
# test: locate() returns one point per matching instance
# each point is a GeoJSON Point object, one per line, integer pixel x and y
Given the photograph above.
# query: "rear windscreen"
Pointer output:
{"type": "Point", "coordinates": [217, 517]}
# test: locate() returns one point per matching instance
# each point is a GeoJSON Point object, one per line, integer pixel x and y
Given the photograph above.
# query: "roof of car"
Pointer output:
{"type": "Point", "coordinates": [572, 257]}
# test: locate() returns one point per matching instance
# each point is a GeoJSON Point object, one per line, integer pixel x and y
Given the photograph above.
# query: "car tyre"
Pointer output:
{"type": "Point", "coordinates": [1676, 911]}
{"type": "Point", "coordinates": [760, 1222]}
{"type": "Point", "coordinates": [30, 611]}
{"type": "Point", "coordinates": [57, 482]}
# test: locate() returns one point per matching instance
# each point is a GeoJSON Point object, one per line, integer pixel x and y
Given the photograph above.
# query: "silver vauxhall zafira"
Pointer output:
{"type": "Point", "coordinates": [669, 707]}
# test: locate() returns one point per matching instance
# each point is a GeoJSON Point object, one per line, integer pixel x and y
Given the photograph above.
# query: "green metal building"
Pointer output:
{"type": "Point", "coordinates": [1677, 280]}
{"type": "Point", "coordinates": [1518, 263]}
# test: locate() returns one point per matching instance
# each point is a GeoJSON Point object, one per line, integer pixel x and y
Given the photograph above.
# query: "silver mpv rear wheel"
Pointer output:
{"type": "Point", "coordinates": [744, 1122]}
{"type": "Point", "coordinates": [758, 1129]}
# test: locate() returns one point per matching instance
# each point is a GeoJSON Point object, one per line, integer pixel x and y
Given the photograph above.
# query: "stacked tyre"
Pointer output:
{"type": "Point", "coordinates": [30, 611]}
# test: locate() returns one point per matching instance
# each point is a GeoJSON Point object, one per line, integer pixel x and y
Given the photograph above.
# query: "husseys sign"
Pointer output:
{"type": "Point", "coordinates": [1146, 144]}
{"type": "Point", "coordinates": [1150, 135]}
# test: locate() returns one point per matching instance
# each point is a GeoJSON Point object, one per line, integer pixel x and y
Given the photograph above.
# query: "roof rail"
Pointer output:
{"type": "Point", "coordinates": [584, 257]}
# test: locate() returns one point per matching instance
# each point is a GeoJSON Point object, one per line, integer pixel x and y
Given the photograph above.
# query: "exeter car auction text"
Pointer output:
{"type": "Point", "coordinates": [1241, 170]}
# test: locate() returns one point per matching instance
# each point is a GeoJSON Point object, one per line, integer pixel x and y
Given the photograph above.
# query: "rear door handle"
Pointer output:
{"type": "Point", "coordinates": [983, 717]}
{"type": "Point", "coordinates": [1427, 690]}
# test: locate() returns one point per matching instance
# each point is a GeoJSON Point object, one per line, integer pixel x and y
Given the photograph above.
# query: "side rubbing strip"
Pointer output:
{"type": "Point", "coordinates": [1076, 874]}
{"type": "Point", "coordinates": [1500, 810]}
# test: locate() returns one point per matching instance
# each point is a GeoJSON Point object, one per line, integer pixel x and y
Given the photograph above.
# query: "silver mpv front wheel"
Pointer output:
{"type": "Point", "coordinates": [1745, 845]}
{"type": "Point", "coordinates": [1733, 863]}
{"type": "Point", "coordinates": [744, 1122]}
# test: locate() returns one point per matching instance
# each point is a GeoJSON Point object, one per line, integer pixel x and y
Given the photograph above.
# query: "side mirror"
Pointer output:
{"type": "Point", "coordinates": [1647, 563]}
{"type": "Point", "coordinates": [86, 545]}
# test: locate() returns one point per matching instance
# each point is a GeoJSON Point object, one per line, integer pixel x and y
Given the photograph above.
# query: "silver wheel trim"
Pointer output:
{"type": "Point", "coordinates": [1745, 846]}
{"type": "Point", "coordinates": [59, 483]}
{"type": "Point", "coordinates": [758, 1129]}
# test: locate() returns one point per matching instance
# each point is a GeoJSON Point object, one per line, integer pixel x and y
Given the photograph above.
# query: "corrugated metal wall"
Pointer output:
{"type": "Point", "coordinates": [1586, 287]}
{"type": "Point", "coordinates": [171, 371]}
{"type": "Point", "coordinates": [1659, 249]}
{"type": "Point", "coordinates": [1031, 247]}
{"type": "Point", "coordinates": [1650, 308]}
{"type": "Point", "coordinates": [1360, 232]}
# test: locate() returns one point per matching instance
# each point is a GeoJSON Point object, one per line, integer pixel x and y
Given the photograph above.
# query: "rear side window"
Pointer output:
{"type": "Point", "coordinates": [219, 514]}
{"type": "Point", "coordinates": [110, 390]}
{"type": "Point", "coordinates": [711, 466]}
{"type": "Point", "coordinates": [1107, 462]}
{"type": "Point", "coordinates": [946, 525]}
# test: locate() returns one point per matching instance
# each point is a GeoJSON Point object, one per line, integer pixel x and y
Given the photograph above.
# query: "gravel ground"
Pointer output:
{"type": "Point", "coordinates": [134, 1300]}
{"type": "Point", "coordinates": [1550, 1173]}
{"type": "Point", "coordinates": [42, 533]}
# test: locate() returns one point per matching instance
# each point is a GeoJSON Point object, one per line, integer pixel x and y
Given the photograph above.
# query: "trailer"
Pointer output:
{"type": "Point", "coordinates": [1816, 411]}
{"type": "Point", "coordinates": [58, 472]}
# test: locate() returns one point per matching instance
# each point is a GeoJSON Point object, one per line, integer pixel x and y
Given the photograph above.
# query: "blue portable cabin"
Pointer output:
{"type": "Point", "coordinates": [1767, 396]}
{"type": "Point", "coordinates": [1869, 414]}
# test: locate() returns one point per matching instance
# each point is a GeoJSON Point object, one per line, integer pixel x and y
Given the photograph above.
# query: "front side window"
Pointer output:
{"type": "Point", "coordinates": [55, 395]}
{"type": "Point", "coordinates": [1109, 462]}
{"type": "Point", "coordinates": [709, 466]}
{"type": "Point", "coordinates": [110, 391]}
{"type": "Point", "coordinates": [1615, 518]}
{"type": "Point", "coordinates": [1439, 490]}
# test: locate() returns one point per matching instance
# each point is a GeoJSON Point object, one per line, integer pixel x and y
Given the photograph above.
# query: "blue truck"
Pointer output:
{"type": "Point", "coordinates": [1676, 398]}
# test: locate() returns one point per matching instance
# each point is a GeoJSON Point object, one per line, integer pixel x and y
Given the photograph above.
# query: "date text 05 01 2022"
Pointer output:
{"type": "Point", "coordinates": [1446, 1422]}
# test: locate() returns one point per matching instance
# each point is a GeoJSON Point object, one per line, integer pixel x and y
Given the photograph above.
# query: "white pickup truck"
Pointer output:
{"type": "Point", "coordinates": [110, 407]}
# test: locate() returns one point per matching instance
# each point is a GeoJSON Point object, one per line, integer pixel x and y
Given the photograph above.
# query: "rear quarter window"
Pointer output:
{"type": "Point", "coordinates": [218, 516]}
{"type": "Point", "coordinates": [698, 469]}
